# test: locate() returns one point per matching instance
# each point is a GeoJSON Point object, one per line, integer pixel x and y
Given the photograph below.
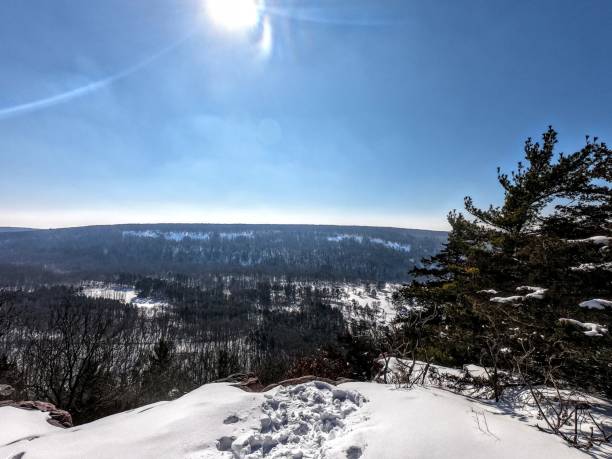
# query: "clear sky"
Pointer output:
{"type": "Point", "coordinates": [371, 112]}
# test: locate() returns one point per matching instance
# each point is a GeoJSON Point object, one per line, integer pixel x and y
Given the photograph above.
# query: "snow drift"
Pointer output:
{"type": "Point", "coordinates": [312, 420]}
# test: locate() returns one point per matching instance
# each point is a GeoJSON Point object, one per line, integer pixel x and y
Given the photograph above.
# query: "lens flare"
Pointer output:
{"type": "Point", "coordinates": [234, 15]}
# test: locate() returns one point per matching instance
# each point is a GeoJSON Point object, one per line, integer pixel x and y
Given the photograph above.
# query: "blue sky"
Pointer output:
{"type": "Point", "coordinates": [348, 112]}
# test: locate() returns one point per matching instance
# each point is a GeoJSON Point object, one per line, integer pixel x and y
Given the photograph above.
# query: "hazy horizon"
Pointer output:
{"type": "Point", "coordinates": [218, 223]}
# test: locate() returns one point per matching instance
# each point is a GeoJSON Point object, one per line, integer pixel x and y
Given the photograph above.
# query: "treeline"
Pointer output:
{"type": "Point", "coordinates": [306, 252]}
{"type": "Point", "coordinates": [94, 357]}
{"type": "Point", "coordinates": [524, 288]}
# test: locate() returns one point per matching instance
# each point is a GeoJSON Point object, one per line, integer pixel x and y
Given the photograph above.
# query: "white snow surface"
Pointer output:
{"type": "Point", "coordinates": [396, 369]}
{"type": "Point", "coordinates": [127, 295]}
{"type": "Point", "coordinates": [507, 299]}
{"type": "Point", "coordinates": [381, 305]}
{"type": "Point", "coordinates": [313, 420]}
{"type": "Point", "coordinates": [110, 292]}
{"type": "Point", "coordinates": [537, 293]}
{"type": "Point", "coordinates": [17, 424]}
{"type": "Point", "coordinates": [596, 303]}
{"type": "Point", "coordinates": [299, 421]}
{"type": "Point", "coordinates": [590, 329]}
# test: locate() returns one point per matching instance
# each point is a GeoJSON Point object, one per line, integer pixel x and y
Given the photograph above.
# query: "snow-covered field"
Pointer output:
{"type": "Point", "coordinates": [313, 420]}
{"type": "Point", "coordinates": [110, 292]}
{"type": "Point", "coordinates": [127, 295]}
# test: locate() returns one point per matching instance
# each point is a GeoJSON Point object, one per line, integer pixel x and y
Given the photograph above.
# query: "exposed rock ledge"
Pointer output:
{"type": "Point", "coordinates": [58, 418]}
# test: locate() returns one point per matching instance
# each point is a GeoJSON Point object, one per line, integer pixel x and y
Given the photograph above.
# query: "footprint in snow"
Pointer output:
{"type": "Point", "coordinates": [296, 423]}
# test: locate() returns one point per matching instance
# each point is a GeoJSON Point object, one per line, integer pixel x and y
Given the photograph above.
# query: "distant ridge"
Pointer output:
{"type": "Point", "coordinates": [329, 252]}
{"type": "Point", "coordinates": [14, 229]}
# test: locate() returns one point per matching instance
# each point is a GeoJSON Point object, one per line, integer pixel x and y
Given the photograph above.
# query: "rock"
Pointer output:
{"type": "Point", "coordinates": [231, 419]}
{"type": "Point", "coordinates": [6, 390]}
{"type": "Point", "coordinates": [235, 378]}
{"type": "Point", "coordinates": [248, 382]}
{"type": "Point", "coordinates": [251, 385]}
{"type": "Point", "coordinates": [59, 418]}
{"type": "Point", "coordinates": [225, 443]}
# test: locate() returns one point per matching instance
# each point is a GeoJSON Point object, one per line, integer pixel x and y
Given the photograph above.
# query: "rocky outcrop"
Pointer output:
{"type": "Point", "coordinates": [245, 381]}
{"type": "Point", "coordinates": [57, 417]}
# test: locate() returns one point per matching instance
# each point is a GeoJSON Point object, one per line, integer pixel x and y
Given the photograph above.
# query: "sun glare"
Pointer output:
{"type": "Point", "coordinates": [234, 14]}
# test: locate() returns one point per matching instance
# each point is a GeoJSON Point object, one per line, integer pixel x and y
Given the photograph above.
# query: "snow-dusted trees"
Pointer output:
{"type": "Point", "coordinates": [528, 283]}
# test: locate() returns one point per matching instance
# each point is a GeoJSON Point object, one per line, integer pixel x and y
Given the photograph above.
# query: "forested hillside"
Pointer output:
{"type": "Point", "coordinates": [317, 252]}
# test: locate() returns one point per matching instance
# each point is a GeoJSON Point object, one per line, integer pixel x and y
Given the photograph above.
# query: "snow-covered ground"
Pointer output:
{"type": "Point", "coordinates": [127, 295]}
{"type": "Point", "coordinates": [110, 292]}
{"type": "Point", "coordinates": [312, 420]}
{"type": "Point", "coordinates": [18, 423]}
{"type": "Point", "coordinates": [381, 304]}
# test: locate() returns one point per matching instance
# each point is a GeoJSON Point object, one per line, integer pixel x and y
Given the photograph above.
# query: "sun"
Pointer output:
{"type": "Point", "coordinates": [234, 14]}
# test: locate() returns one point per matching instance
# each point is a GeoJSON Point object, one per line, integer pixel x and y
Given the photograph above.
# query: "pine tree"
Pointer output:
{"type": "Point", "coordinates": [159, 375]}
{"type": "Point", "coordinates": [509, 275]}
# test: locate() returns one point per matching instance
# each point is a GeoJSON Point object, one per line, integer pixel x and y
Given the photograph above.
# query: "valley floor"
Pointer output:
{"type": "Point", "coordinates": [313, 420]}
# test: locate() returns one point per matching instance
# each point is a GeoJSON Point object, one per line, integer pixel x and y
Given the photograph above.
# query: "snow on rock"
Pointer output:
{"type": "Point", "coordinates": [507, 299]}
{"type": "Point", "coordinates": [596, 303]}
{"type": "Point", "coordinates": [17, 424]}
{"type": "Point", "coordinates": [313, 420]}
{"type": "Point", "coordinates": [591, 329]}
{"type": "Point", "coordinates": [537, 293]}
{"type": "Point", "coordinates": [489, 291]}
{"type": "Point", "coordinates": [589, 267]}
